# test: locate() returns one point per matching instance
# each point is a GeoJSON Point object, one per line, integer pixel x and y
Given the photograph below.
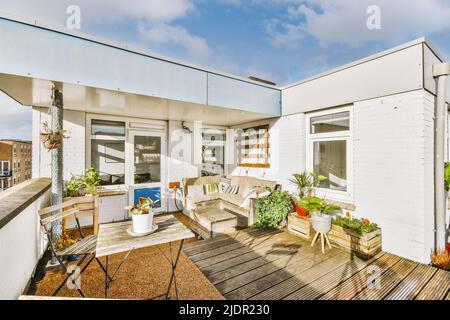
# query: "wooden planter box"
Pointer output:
{"type": "Point", "coordinates": [300, 226]}
{"type": "Point", "coordinates": [366, 245]}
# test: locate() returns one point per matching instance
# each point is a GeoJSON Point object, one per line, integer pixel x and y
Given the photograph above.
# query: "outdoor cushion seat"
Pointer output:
{"type": "Point", "coordinates": [84, 246]}
{"type": "Point", "coordinates": [235, 199]}
{"type": "Point", "coordinates": [191, 201]}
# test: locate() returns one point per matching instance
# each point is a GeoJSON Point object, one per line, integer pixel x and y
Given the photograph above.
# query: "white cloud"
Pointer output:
{"type": "Point", "coordinates": [344, 21]}
{"type": "Point", "coordinates": [163, 34]}
{"type": "Point", "coordinates": [15, 119]}
{"type": "Point", "coordinates": [54, 11]}
{"type": "Point", "coordinates": [154, 20]}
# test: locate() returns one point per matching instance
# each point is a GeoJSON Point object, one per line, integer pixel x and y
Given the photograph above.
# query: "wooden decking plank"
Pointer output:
{"type": "Point", "coordinates": [287, 249]}
{"type": "Point", "coordinates": [237, 236]}
{"type": "Point", "coordinates": [317, 288]}
{"type": "Point", "coordinates": [248, 277]}
{"type": "Point", "coordinates": [252, 242]}
{"type": "Point", "coordinates": [410, 287]}
{"type": "Point", "coordinates": [283, 289]}
{"type": "Point", "coordinates": [355, 284]}
{"type": "Point", "coordinates": [389, 280]}
{"type": "Point", "coordinates": [229, 240]}
{"type": "Point", "coordinates": [300, 262]}
{"type": "Point", "coordinates": [437, 288]}
{"type": "Point", "coordinates": [238, 252]}
{"type": "Point", "coordinates": [270, 249]}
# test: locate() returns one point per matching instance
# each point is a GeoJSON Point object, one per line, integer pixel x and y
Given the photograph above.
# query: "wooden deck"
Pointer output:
{"type": "Point", "coordinates": [271, 264]}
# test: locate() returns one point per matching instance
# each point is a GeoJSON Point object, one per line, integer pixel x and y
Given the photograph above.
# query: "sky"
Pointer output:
{"type": "Point", "coordinates": [279, 40]}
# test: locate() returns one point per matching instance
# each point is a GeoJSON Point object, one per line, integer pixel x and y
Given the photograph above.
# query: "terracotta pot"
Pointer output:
{"type": "Point", "coordinates": [300, 211]}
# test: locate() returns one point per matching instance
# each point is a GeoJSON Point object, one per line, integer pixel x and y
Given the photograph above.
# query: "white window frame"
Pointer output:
{"type": "Point", "coordinates": [130, 125]}
{"type": "Point", "coordinates": [345, 196]}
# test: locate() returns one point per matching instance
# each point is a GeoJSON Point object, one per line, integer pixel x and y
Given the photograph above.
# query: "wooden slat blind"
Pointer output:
{"type": "Point", "coordinates": [253, 147]}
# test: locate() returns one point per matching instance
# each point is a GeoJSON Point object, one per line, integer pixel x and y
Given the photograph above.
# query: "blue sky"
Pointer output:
{"type": "Point", "coordinates": [279, 40]}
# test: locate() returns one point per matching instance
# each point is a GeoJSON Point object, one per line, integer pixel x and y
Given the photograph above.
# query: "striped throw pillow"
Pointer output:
{"type": "Point", "coordinates": [232, 189]}
{"type": "Point", "coordinates": [211, 188]}
{"type": "Point", "coordinates": [224, 184]}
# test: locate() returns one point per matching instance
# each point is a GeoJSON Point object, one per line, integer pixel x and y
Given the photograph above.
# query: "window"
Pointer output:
{"type": "Point", "coordinates": [253, 147]}
{"type": "Point", "coordinates": [4, 167]}
{"type": "Point", "coordinates": [108, 151]}
{"type": "Point", "coordinates": [14, 150]}
{"type": "Point", "coordinates": [330, 151]}
{"type": "Point", "coordinates": [213, 151]}
{"type": "Point", "coordinates": [108, 128]}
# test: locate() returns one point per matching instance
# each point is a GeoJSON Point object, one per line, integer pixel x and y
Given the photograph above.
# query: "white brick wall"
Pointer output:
{"type": "Point", "coordinates": [74, 147]}
{"type": "Point", "coordinates": [393, 170]}
{"type": "Point", "coordinates": [287, 150]}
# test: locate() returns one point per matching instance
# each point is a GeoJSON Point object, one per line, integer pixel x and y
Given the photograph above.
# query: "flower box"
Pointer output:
{"type": "Point", "coordinates": [300, 226]}
{"type": "Point", "coordinates": [365, 245]}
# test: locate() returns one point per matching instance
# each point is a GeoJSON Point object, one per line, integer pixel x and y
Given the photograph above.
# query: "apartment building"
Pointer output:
{"type": "Point", "coordinates": [15, 162]}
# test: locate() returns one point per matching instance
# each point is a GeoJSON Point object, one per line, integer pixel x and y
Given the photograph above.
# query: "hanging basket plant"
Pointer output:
{"type": "Point", "coordinates": [52, 139]}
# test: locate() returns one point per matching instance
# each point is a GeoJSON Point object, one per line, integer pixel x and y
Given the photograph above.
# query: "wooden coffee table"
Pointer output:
{"type": "Point", "coordinates": [211, 221]}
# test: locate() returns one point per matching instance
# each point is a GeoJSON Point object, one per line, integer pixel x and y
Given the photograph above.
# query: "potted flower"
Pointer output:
{"type": "Point", "coordinates": [357, 235]}
{"type": "Point", "coordinates": [305, 182]}
{"type": "Point", "coordinates": [321, 213]}
{"type": "Point", "coordinates": [142, 215]}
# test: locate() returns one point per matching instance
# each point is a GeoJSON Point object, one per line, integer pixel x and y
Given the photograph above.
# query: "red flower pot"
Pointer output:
{"type": "Point", "coordinates": [447, 247]}
{"type": "Point", "coordinates": [300, 211]}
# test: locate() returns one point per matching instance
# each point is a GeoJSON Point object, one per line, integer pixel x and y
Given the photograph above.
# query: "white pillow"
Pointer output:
{"type": "Point", "coordinates": [247, 195]}
{"type": "Point", "coordinates": [195, 191]}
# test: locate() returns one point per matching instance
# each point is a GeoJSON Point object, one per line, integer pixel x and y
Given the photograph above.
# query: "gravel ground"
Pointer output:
{"type": "Point", "coordinates": [144, 275]}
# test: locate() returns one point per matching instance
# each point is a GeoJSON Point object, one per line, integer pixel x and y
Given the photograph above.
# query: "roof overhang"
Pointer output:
{"type": "Point", "coordinates": [101, 77]}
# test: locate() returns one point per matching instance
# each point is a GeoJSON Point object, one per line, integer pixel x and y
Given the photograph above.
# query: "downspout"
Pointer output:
{"type": "Point", "coordinates": [440, 72]}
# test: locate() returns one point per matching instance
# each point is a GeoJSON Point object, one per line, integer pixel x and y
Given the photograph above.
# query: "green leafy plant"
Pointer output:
{"type": "Point", "coordinates": [315, 205]}
{"type": "Point", "coordinates": [360, 226]}
{"type": "Point", "coordinates": [447, 176]}
{"type": "Point", "coordinates": [305, 182]}
{"type": "Point", "coordinates": [92, 181]}
{"type": "Point", "coordinates": [79, 185]}
{"type": "Point", "coordinates": [143, 207]}
{"type": "Point", "coordinates": [273, 209]}
{"type": "Point", "coordinates": [75, 186]}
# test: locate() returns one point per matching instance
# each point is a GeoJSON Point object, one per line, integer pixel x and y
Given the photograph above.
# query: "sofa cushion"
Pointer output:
{"type": "Point", "coordinates": [195, 191]}
{"type": "Point", "coordinates": [200, 181]}
{"type": "Point", "coordinates": [246, 182]}
{"type": "Point", "coordinates": [211, 188]}
{"type": "Point", "coordinates": [235, 199]}
{"type": "Point", "coordinates": [231, 189]}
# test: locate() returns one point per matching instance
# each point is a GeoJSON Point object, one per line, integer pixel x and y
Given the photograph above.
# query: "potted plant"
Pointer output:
{"type": "Point", "coordinates": [81, 185]}
{"type": "Point", "coordinates": [359, 236]}
{"type": "Point", "coordinates": [273, 210]}
{"type": "Point", "coordinates": [52, 139]}
{"type": "Point", "coordinates": [142, 215]}
{"type": "Point", "coordinates": [305, 182]}
{"type": "Point", "coordinates": [321, 213]}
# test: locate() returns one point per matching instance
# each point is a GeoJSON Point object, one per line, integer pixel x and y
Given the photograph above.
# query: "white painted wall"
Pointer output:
{"type": "Point", "coordinates": [21, 247]}
{"type": "Point", "coordinates": [393, 170]}
{"type": "Point", "coordinates": [74, 147]}
{"type": "Point", "coordinates": [398, 70]}
{"type": "Point", "coordinates": [287, 150]}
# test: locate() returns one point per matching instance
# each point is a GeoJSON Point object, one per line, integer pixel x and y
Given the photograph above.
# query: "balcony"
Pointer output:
{"type": "Point", "coordinates": [249, 264]}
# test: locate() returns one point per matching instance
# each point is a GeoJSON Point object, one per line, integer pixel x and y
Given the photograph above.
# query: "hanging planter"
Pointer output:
{"type": "Point", "coordinates": [52, 139]}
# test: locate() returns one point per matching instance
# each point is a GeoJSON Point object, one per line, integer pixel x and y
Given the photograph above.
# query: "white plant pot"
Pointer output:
{"type": "Point", "coordinates": [142, 222]}
{"type": "Point", "coordinates": [321, 223]}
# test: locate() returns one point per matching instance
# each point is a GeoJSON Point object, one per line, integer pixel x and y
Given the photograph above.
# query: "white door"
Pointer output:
{"type": "Point", "coordinates": [146, 153]}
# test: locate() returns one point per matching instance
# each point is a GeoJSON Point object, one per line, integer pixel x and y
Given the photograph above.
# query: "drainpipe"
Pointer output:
{"type": "Point", "coordinates": [440, 72]}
